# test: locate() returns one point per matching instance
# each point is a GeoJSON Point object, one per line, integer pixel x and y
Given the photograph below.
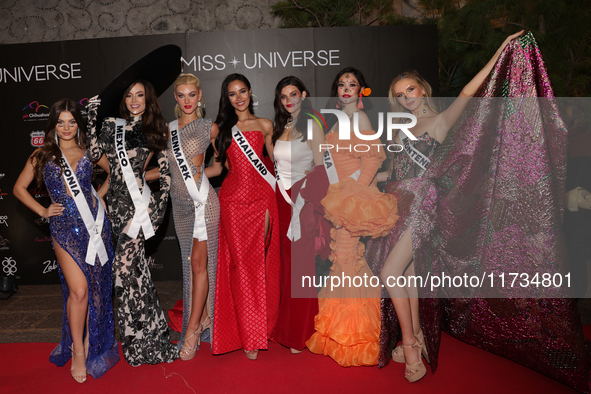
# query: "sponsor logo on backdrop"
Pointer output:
{"type": "Point", "coordinates": [37, 138]}
{"type": "Point", "coordinates": [9, 266]}
{"type": "Point", "coordinates": [40, 73]}
{"type": "Point", "coordinates": [35, 111]}
{"type": "Point", "coordinates": [38, 192]}
{"type": "Point", "coordinates": [49, 265]}
{"type": "Point", "coordinates": [2, 195]}
{"type": "Point", "coordinates": [260, 60]}
{"type": "Point", "coordinates": [41, 221]}
{"type": "Point", "coordinates": [2, 176]}
{"type": "Point", "coordinates": [166, 238]}
{"type": "Point", "coordinates": [4, 243]}
{"type": "Point", "coordinates": [4, 220]}
{"type": "Point", "coordinates": [42, 239]}
{"type": "Point", "coordinates": [153, 266]}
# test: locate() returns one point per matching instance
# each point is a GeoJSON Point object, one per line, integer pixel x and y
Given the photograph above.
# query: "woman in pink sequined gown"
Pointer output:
{"type": "Point", "coordinates": [411, 93]}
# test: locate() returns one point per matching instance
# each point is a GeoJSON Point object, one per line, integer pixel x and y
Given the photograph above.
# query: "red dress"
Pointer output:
{"type": "Point", "coordinates": [247, 285]}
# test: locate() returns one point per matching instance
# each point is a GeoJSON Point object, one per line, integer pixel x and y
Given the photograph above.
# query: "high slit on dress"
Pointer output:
{"type": "Point", "coordinates": [195, 138]}
{"type": "Point", "coordinates": [247, 284]}
{"type": "Point", "coordinates": [69, 232]}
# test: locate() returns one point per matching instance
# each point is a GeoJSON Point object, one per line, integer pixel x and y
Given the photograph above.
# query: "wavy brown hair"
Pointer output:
{"type": "Point", "coordinates": [51, 151]}
{"type": "Point", "coordinates": [154, 126]}
{"type": "Point", "coordinates": [282, 116]}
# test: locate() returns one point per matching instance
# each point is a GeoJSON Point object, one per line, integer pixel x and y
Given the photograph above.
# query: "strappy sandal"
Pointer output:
{"type": "Point", "coordinates": [188, 352]}
{"type": "Point", "coordinates": [79, 376]}
{"type": "Point", "coordinates": [251, 354]}
{"type": "Point", "coordinates": [398, 355]}
{"type": "Point", "coordinates": [204, 327]}
{"type": "Point", "coordinates": [398, 352]}
{"type": "Point", "coordinates": [417, 370]}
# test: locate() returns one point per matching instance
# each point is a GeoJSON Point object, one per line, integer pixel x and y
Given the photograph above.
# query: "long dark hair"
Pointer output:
{"type": "Point", "coordinates": [51, 150]}
{"type": "Point", "coordinates": [154, 126]}
{"type": "Point", "coordinates": [227, 117]}
{"type": "Point", "coordinates": [334, 101]}
{"type": "Point", "coordinates": [282, 116]}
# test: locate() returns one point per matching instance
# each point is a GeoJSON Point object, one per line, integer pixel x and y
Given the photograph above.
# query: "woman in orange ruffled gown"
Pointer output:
{"type": "Point", "coordinates": [348, 323]}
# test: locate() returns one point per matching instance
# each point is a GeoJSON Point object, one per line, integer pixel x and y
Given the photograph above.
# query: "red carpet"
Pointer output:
{"type": "Point", "coordinates": [24, 368]}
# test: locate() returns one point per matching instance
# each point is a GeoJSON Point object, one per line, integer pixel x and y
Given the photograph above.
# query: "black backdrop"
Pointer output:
{"type": "Point", "coordinates": [34, 76]}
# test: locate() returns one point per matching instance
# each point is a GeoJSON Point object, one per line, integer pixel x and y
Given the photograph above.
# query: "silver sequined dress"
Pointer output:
{"type": "Point", "coordinates": [194, 141]}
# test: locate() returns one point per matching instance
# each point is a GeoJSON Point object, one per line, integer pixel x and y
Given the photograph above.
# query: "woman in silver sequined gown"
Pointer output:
{"type": "Point", "coordinates": [199, 257]}
{"type": "Point", "coordinates": [87, 289]}
{"type": "Point", "coordinates": [142, 325]}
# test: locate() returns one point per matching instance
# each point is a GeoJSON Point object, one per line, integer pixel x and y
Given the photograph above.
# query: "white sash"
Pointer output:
{"type": "Point", "coordinates": [420, 159]}
{"type": "Point", "coordinates": [199, 196]}
{"type": "Point", "coordinates": [295, 231]}
{"type": "Point", "coordinates": [141, 201]}
{"type": "Point", "coordinates": [94, 227]}
{"type": "Point", "coordinates": [331, 171]}
{"type": "Point", "coordinates": [252, 157]}
{"type": "Point", "coordinates": [281, 187]}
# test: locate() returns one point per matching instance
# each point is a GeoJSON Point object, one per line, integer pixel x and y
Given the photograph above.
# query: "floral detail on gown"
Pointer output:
{"type": "Point", "coordinates": [142, 325]}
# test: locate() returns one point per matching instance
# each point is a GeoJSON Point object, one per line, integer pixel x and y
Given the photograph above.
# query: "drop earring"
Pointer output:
{"type": "Point", "coordinates": [359, 102]}
{"type": "Point", "coordinates": [424, 105]}
{"type": "Point", "coordinates": [199, 103]}
{"type": "Point", "coordinates": [57, 140]}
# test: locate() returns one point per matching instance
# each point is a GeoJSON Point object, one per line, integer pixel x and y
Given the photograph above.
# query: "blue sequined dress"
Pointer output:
{"type": "Point", "coordinates": [69, 231]}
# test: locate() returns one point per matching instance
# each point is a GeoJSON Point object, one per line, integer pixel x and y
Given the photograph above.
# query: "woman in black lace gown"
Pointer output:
{"type": "Point", "coordinates": [129, 145]}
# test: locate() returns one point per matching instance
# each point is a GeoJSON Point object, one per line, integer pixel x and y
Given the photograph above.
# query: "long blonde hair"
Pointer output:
{"type": "Point", "coordinates": [412, 74]}
{"type": "Point", "coordinates": [189, 79]}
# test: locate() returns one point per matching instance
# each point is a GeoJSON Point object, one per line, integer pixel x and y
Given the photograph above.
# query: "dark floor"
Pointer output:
{"type": "Point", "coordinates": [34, 313]}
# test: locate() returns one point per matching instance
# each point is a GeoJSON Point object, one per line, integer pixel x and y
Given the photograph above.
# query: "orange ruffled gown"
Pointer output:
{"type": "Point", "coordinates": [348, 323]}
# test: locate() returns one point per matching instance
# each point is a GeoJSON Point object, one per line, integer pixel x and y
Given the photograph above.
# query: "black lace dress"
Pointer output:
{"type": "Point", "coordinates": [142, 325]}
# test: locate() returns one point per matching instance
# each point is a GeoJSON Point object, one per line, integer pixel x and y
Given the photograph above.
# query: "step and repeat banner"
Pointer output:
{"type": "Point", "coordinates": [34, 76]}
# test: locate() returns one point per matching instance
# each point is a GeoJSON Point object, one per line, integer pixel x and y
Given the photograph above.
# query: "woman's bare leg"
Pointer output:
{"type": "Point", "coordinates": [200, 288]}
{"type": "Point", "coordinates": [77, 304]}
{"type": "Point", "coordinates": [396, 264]}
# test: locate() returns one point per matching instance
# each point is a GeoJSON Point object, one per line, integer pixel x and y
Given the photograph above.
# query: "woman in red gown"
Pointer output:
{"type": "Point", "coordinates": [247, 285]}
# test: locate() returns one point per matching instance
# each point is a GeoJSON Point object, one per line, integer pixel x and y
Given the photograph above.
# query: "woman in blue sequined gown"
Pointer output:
{"type": "Point", "coordinates": [88, 327]}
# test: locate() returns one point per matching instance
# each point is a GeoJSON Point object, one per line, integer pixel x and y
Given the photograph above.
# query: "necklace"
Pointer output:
{"type": "Point", "coordinates": [291, 123]}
